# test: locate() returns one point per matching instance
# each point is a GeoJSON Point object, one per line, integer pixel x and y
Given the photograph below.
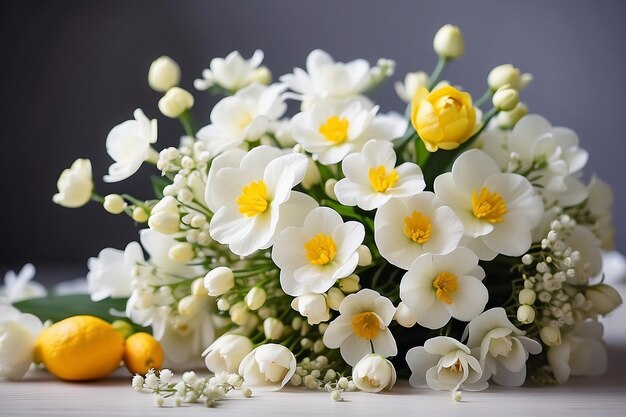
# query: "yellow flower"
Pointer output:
{"type": "Point", "coordinates": [444, 118]}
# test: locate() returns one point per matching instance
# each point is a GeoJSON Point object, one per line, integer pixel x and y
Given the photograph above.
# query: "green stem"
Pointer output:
{"type": "Point", "coordinates": [436, 74]}
{"type": "Point", "coordinates": [483, 99]}
{"type": "Point", "coordinates": [186, 119]}
{"type": "Point", "coordinates": [97, 198]}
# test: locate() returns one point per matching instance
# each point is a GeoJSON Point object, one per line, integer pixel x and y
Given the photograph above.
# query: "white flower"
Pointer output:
{"type": "Point", "coordinates": [175, 102]}
{"type": "Point", "coordinates": [313, 257]}
{"type": "Point", "coordinates": [226, 353]}
{"type": "Point", "coordinates": [550, 156]}
{"type": "Point", "coordinates": [268, 367]}
{"type": "Point", "coordinates": [374, 373]}
{"type": "Point", "coordinates": [362, 327]}
{"type": "Point", "coordinates": [600, 204]}
{"type": "Point", "coordinates": [412, 82]}
{"type": "Point", "coordinates": [184, 338]}
{"type": "Point", "coordinates": [325, 78]}
{"type": "Point", "coordinates": [582, 352]}
{"type": "Point", "coordinates": [231, 73]}
{"type": "Point", "coordinates": [20, 286]}
{"type": "Point", "coordinates": [438, 287]}
{"type": "Point", "coordinates": [589, 264]}
{"type": "Point", "coordinates": [18, 333]}
{"type": "Point", "coordinates": [444, 363]}
{"type": "Point", "coordinates": [405, 228]}
{"type": "Point", "coordinates": [604, 298]}
{"type": "Point", "coordinates": [312, 306]}
{"type": "Point", "coordinates": [110, 274]}
{"type": "Point", "coordinates": [501, 348]}
{"type": "Point", "coordinates": [372, 177]}
{"type": "Point", "coordinates": [448, 42]}
{"type": "Point", "coordinates": [129, 145]}
{"type": "Point", "coordinates": [244, 116]}
{"type": "Point", "coordinates": [254, 201]}
{"type": "Point", "coordinates": [75, 185]}
{"type": "Point", "coordinates": [498, 210]}
{"type": "Point", "coordinates": [164, 73]}
{"type": "Point", "coordinates": [333, 129]}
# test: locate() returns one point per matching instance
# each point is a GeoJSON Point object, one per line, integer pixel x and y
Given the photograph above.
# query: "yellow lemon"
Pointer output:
{"type": "Point", "coordinates": [80, 348]}
{"type": "Point", "coordinates": [142, 353]}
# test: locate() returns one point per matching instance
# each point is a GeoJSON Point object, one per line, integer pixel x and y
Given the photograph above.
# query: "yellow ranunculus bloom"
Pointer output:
{"type": "Point", "coordinates": [444, 118]}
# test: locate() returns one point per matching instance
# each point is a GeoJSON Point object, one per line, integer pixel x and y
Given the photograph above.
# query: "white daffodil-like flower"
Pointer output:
{"type": "Point", "coordinates": [313, 257]}
{"type": "Point", "coordinates": [18, 333]}
{"type": "Point", "coordinates": [362, 326]}
{"type": "Point", "coordinates": [129, 144]}
{"type": "Point", "coordinates": [325, 78]}
{"type": "Point", "coordinates": [20, 286]}
{"type": "Point", "coordinates": [244, 116]}
{"type": "Point", "coordinates": [268, 367]}
{"type": "Point", "coordinates": [333, 129]}
{"type": "Point", "coordinates": [233, 72]}
{"type": "Point", "coordinates": [438, 287]}
{"type": "Point", "coordinates": [405, 228]}
{"type": "Point", "coordinates": [250, 200]}
{"type": "Point", "coordinates": [548, 155]}
{"type": "Point", "coordinates": [412, 82]}
{"type": "Point", "coordinates": [581, 352]}
{"type": "Point", "coordinates": [498, 210]}
{"type": "Point", "coordinates": [501, 348]}
{"type": "Point", "coordinates": [110, 274]}
{"type": "Point", "coordinates": [185, 338]}
{"type": "Point", "coordinates": [444, 363]}
{"type": "Point", "coordinates": [372, 177]}
{"type": "Point", "coordinates": [226, 353]}
{"type": "Point", "coordinates": [374, 373]}
{"type": "Point", "coordinates": [75, 185]}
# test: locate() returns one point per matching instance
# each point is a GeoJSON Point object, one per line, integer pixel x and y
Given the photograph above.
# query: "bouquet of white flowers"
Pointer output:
{"type": "Point", "coordinates": [333, 248]}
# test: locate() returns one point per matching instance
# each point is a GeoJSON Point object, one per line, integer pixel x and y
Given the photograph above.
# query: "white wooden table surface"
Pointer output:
{"type": "Point", "coordinates": [41, 395]}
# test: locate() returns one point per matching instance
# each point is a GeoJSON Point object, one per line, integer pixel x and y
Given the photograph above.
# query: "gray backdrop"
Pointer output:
{"type": "Point", "coordinates": [71, 70]}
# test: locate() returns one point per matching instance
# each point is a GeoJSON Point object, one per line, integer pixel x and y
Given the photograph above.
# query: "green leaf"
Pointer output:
{"type": "Point", "coordinates": [59, 307]}
{"type": "Point", "coordinates": [158, 184]}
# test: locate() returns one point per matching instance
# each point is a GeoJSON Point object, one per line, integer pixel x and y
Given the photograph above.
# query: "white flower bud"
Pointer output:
{"type": "Point", "coordinates": [525, 314]}
{"type": "Point", "coordinates": [164, 74]}
{"type": "Point", "coordinates": [114, 204]}
{"type": "Point", "coordinates": [505, 99]}
{"type": "Point", "coordinates": [140, 215]}
{"type": "Point", "coordinates": [448, 42]}
{"type": "Point", "coordinates": [239, 313]}
{"type": "Point", "coordinates": [190, 377]}
{"type": "Point", "coordinates": [137, 382]}
{"type": "Point", "coordinates": [165, 375]}
{"type": "Point", "coordinates": [312, 176]}
{"type": "Point", "coordinates": [189, 306]}
{"type": "Point", "coordinates": [273, 328]}
{"type": "Point", "coordinates": [312, 306]}
{"type": "Point", "coordinates": [318, 347]}
{"type": "Point", "coordinates": [365, 256]}
{"type": "Point", "coordinates": [527, 259]}
{"type": "Point", "coordinates": [197, 288]}
{"type": "Point", "coordinates": [255, 298]}
{"type": "Point", "coordinates": [164, 222]}
{"type": "Point", "coordinates": [329, 188]}
{"type": "Point", "coordinates": [335, 297]}
{"type": "Point", "coordinates": [550, 335]}
{"type": "Point", "coordinates": [262, 75]}
{"type": "Point", "coordinates": [246, 392]}
{"type": "Point", "coordinates": [507, 74]}
{"type": "Point", "coordinates": [166, 204]}
{"type": "Point", "coordinates": [222, 304]}
{"type": "Point", "coordinates": [75, 185]}
{"type": "Point", "coordinates": [527, 296]}
{"type": "Point", "coordinates": [219, 280]}
{"type": "Point", "coordinates": [181, 252]}
{"type": "Point", "coordinates": [175, 102]}
{"type": "Point", "coordinates": [405, 316]}
{"type": "Point", "coordinates": [374, 373]}
{"type": "Point", "coordinates": [349, 284]}
{"type": "Point", "coordinates": [604, 298]}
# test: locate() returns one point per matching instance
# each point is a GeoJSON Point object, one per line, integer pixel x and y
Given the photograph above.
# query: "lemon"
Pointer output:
{"type": "Point", "coordinates": [142, 353]}
{"type": "Point", "coordinates": [80, 348]}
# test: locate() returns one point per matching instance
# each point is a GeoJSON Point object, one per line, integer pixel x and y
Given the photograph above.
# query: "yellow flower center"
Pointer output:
{"type": "Point", "coordinates": [488, 206]}
{"type": "Point", "coordinates": [366, 325]}
{"type": "Point", "coordinates": [417, 227]}
{"type": "Point", "coordinates": [335, 129]}
{"type": "Point", "coordinates": [321, 249]}
{"type": "Point", "coordinates": [457, 366]}
{"type": "Point", "coordinates": [445, 285]}
{"type": "Point", "coordinates": [380, 180]}
{"type": "Point", "coordinates": [254, 199]}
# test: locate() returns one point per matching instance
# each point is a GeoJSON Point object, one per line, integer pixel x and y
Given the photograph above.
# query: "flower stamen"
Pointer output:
{"type": "Point", "coordinates": [366, 325]}
{"type": "Point", "coordinates": [321, 249]}
{"type": "Point", "coordinates": [335, 129]}
{"type": "Point", "coordinates": [380, 180]}
{"type": "Point", "coordinates": [417, 227]}
{"type": "Point", "coordinates": [445, 285]}
{"type": "Point", "coordinates": [488, 206]}
{"type": "Point", "coordinates": [254, 199]}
